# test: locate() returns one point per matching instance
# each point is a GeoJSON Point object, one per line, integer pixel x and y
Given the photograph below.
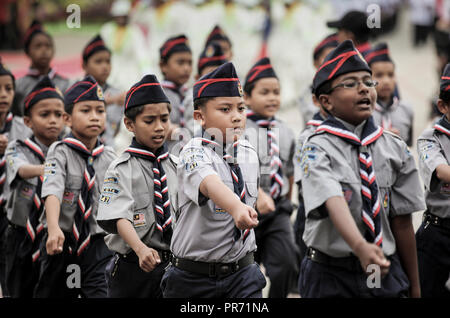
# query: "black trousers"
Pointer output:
{"type": "Point", "coordinates": [299, 229]}
{"type": "Point", "coordinates": [3, 227]}
{"type": "Point", "coordinates": [277, 251]}
{"type": "Point", "coordinates": [21, 272]}
{"type": "Point", "coordinates": [58, 273]}
{"type": "Point", "coordinates": [433, 252]}
{"type": "Point", "coordinates": [248, 282]}
{"type": "Point", "coordinates": [317, 280]}
{"type": "Point", "coordinates": [125, 279]}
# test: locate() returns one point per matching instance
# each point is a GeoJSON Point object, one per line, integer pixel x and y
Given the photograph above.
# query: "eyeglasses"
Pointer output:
{"type": "Point", "coordinates": [355, 84]}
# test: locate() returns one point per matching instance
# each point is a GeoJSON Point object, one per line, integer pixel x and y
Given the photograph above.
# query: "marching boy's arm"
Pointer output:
{"type": "Point", "coordinates": [345, 225]}
{"type": "Point", "coordinates": [55, 240]}
{"type": "Point", "coordinates": [30, 171]}
{"type": "Point", "coordinates": [245, 217]}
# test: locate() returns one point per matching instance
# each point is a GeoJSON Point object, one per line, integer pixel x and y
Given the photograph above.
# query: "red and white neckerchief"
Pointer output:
{"type": "Point", "coordinates": [385, 113]}
{"type": "Point", "coordinates": [161, 200]}
{"type": "Point", "coordinates": [369, 189]}
{"type": "Point", "coordinates": [80, 228]}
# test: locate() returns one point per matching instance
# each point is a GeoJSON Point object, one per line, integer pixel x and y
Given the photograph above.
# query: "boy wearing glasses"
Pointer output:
{"type": "Point", "coordinates": [360, 186]}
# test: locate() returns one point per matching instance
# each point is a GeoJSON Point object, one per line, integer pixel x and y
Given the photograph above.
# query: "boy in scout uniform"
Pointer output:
{"type": "Point", "coordinates": [360, 186]}
{"type": "Point", "coordinates": [11, 127]}
{"type": "Point", "coordinates": [74, 169]}
{"type": "Point", "coordinates": [390, 112]}
{"type": "Point", "coordinates": [138, 197]}
{"type": "Point", "coordinates": [274, 142]}
{"type": "Point", "coordinates": [176, 67]}
{"type": "Point", "coordinates": [433, 236]}
{"type": "Point", "coordinates": [44, 108]}
{"type": "Point", "coordinates": [97, 63]}
{"type": "Point", "coordinates": [39, 47]}
{"type": "Point", "coordinates": [213, 241]}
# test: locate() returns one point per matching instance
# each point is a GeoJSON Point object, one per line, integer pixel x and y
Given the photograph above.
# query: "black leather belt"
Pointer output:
{"type": "Point", "coordinates": [351, 263]}
{"type": "Point", "coordinates": [132, 257]}
{"type": "Point", "coordinates": [429, 218]}
{"type": "Point", "coordinates": [213, 269]}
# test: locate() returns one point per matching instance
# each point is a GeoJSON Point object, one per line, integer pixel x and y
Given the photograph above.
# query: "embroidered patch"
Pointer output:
{"type": "Point", "coordinates": [68, 197]}
{"type": "Point", "coordinates": [219, 210]}
{"type": "Point", "coordinates": [49, 169]}
{"type": "Point", "coordinates": [386, 201]}
{"type": "Point", "coordinates": [424, 156]}
{"type": "Point", "coordinates": [111, 180]}
{"type": "Point", "coordinates": [138, 219]}
{"type": "Point", "coordinates": [111, 190]}
{"type": "Point", "coordinates": [105, 199]}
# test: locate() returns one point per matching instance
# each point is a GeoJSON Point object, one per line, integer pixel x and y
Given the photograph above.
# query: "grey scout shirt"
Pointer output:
{"type": "Point", "coordinates": [21, 192]}
{"type": "Point", "coordinates": [434, 149]}
{"type": "Point", "coordinates": [330, 168]}
{"type": "Point", "coordinates": [204, 231]}
{"type": "Point", "coordinates": [127, 193]}
{"type": "Point", "coordinates": [257, 137]}
{"type": "Point", "coordinates": [64, 169]}
{"type": "Point", "coordinates": [399, 115]}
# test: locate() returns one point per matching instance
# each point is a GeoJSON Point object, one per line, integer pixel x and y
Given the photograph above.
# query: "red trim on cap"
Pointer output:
{"type": "Point", "coordinates": [343, 57]}
{"type": "Point", "coordinates": [325, 41]}
{"type": "Point", "coordinates": [76, 84]}
{"type": "Point", "coordinates": [33, 94]}
{"type": "Point", "coordinates": [134, 89]}
{"type": "Point", "coordinates": [371, 55]}
{"type": "Point", "coordinates": [258, 69]}
{"type": "Point", "coordinates": [447, 88]}
{"type": "Point", "coordinates": [92, 46]}
{"type": "Point", "coordinates": [363, 47]}
{"type": "Point", "coordinates": [445, 77]}
{"type": "Point", "coordinates": [171, 44]}
{"type": "Point", "coordinates": [208, 59]}
{"type": "Point", "coordinates": [93, 85]}
{"type": "Point", "coordinates": [30, 30]}
{"type": "Point", "coordinates": [210, 81]}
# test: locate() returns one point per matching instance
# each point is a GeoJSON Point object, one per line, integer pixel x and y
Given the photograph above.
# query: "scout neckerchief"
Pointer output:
{"type": "Point", "coordinates": [36, 74]}
{"type": "Point", "coordinates": [442, 126]}
{"type": "Point", "coordinates": [80, 229]}
{"type": "Point", "coordinates": [6, 129]}
{"type": "Point", "coordinates": [316, 120]}
{"type": "Point", "coordinates": [161, 192]}
{"type": "Point", "coordinates": [34, 226]}
{"type": "Point", "coordinates": [276, 166]}
{"type": "Point", "coordinates": [385, 112]}
{"type": "Point", "coordinates": [369, 189]}
{"type": "Point", "coordinates": [180, 91]}
{"type": "Point", "coordinates": [236, 174]}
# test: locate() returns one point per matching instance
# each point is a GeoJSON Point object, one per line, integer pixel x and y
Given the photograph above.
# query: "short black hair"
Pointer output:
{"type": "Point", "coordinates": [248, 87]}
{"type": "Point", "coordinates": [201, 102]}
{"type": "Point", "coordinates": [69, 108]}
{"type": "Point", "coordinates": [133, 112]}
{"type": "Point", "coordinates": [323, 89]}
{"type": "Point", "coordinates": [445, 96]}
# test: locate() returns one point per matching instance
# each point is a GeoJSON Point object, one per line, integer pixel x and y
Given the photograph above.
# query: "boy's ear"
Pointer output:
{"type": "Point", "coordinates": [442, 106]}
{"type": "Point", "coordinates": [246, 98]}
{"type": "Point", "coordinates": [129, 124]}
{"type": "Point", "coordinates": [83, 66]}
{"type": "Point", "coordinates": [67, 119]}
{"type": "Point", "coordinates": [199, 116]}
{"type": "Point", "coordinates": [324, 101]}
{"type": "Point", "coordinates": [27, 121]}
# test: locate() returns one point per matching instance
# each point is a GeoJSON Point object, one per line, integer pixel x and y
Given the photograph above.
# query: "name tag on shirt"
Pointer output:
{"type": "Point", "coordinates": [138, 219]}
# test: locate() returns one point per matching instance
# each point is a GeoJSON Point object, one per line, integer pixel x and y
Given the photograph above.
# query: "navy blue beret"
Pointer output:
{"type": "Point", "coordinates": [379, 53]}
{"type": "Point", "coordinates": [217, 34]}
{"type": "Point", "coordinates": [444, 84]}
{"type": "Point", "coordinates": [261, 69]}
{"type": "Point", "coordinates": [44, 89]}
{"type": "Point", "coordinates": [222, 82]}
{"type": "Point", "coordinates": [329, 41]}
{"type": "Point", "coordinates": [34, 29]}
{"type": "Point", "coordinates": [86, 89]}
{"type": "Point", "coordinates": [343, 59]}
{"type": "Point", "coordinates": [175, 44]}
{"type": "Point", "coordinates": [95, 45]}
{"type": "Point", "coordinates": [147, 91]}
{"type": "Point", "coordinates": [212, 55]}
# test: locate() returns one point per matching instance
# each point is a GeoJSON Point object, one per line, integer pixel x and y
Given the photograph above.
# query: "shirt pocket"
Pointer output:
{"type": "Point", "coordinates": [21, 202]}
{"type": "Point", "coordinates": [71, 192]}
{"type": "Point", "coordinates": [252, 193]}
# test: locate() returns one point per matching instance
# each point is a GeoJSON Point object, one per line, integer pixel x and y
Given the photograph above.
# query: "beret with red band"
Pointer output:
{"type": "Point", "coordinates": [34, 29]}
{"type": "Point", "coordinates": [261, 69]}
{"type": "Point", "coordinates": [44, 89]}
{"type": "Point", "coordinates": [147, 91]}
{"type": "Point", "coordinates": [222, 82]}
{"type": "Point", "coordinates": [379, 53]}
{"type": "Point", "coordinates": [212, 55]}
{"type": "Point", "coordinates": [86, 89]}
{"type": "Point", "coordinates": [95, 45]}
{"type": "Point", "coordinates": [445, 79]}
{"type": "Point", "coordinates": [174, 45]}
{"type": "Point", "coordinates": [329, 41]}
{"type": "Point", "coordinates": [217, 34]}
{"type": "Point", "coordinates": [343, 59]}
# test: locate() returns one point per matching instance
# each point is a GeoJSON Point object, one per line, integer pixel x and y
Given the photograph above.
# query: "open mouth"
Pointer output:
{"type": "Point", "coordinates": [364, 102]}
{"type": "Point", "coordinates": [158, 138]}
